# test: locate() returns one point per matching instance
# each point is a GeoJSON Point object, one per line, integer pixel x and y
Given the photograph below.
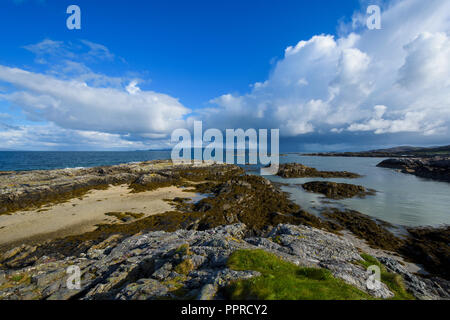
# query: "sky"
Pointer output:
{"type": "Point", "coordinates": [137, 70]}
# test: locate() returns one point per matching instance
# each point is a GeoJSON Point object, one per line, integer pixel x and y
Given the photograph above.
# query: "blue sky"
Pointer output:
{"type": "Point", "coordinates": [192, 50]}
{"type": "Point", "coordinates": [164, 64]}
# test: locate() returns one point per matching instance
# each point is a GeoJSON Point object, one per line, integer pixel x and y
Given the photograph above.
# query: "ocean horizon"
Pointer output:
{"type": "Point", "coordinates": [49, 160]}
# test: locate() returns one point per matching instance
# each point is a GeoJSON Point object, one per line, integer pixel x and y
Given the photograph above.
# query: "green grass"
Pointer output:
{"type": "Point", "coordinates": [17, 277]}
{"type": "Point", "coordinates": [281, 280]}
{"type": "Point", "coordinates": [392, 280]}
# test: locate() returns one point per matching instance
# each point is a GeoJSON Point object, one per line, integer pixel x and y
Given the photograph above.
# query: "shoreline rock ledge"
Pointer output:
{"type": "Point", "coordinates": [437, 168]}
{"type": "Point", "coordinates": [187, 264]}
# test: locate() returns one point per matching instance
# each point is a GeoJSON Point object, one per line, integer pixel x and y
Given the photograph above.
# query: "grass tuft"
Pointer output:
{"type": "Point", "coordinates": [184, 267]}
{"type": "Point", "coordinates": [281, 280]}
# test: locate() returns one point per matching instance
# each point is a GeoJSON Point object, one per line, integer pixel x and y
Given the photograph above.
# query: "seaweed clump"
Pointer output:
{"type": "Point", "coordinates": [366, 228]}
{"type": "Point", "coordinates": [430, 247]}
{"type": "Point", "coordinates": [251, 200]}
{"type": "Point", "coordinates": [297, 170]}
{"type": "Point", "coordinates": [335, 190]}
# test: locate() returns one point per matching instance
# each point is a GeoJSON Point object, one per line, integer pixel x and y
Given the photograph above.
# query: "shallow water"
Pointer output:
{"type": "Point", "coordinates": [401, 199]}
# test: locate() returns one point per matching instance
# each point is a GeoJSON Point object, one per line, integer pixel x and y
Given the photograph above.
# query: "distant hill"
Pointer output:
{"type": "Point", "coordinates": [401, 151]}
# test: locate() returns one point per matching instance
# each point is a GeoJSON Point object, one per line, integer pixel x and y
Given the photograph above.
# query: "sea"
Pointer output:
{"type": "Point", "coordinates": [401, 199]}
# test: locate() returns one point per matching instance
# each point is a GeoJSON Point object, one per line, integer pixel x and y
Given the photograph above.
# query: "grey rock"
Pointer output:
{"type": "Point", "coordinates": [163, 272]}
{"type": "Point", "coordinates": [357, 277]}
{"type": "Point", "coordinates": [208, 292]}
{"type": "Point", "coordinates": [143, 289]}
{"type": "Point", "coordinates": [144, 266]}
{"type": "Point", "coordinates": [424, 289]}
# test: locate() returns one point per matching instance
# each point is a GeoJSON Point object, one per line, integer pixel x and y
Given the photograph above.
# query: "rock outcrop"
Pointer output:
{"type": "Point", "coordinates": [297, 170]}
{"type": "Point", "coordinates": [335, 190]}
{"type": "Point", "coordinates": [180, 264]}
{"type": "Point", "coordinates": [437, 168]}
{"type": "Point", "coordinates": [422, 288]}
{"type": "Point", "coordinates": [191, 264]}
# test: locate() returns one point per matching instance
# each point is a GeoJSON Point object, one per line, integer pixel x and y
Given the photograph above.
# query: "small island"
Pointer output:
{"type": "Point", "coordinates": [436, 168]}
{"type": "Point", "coordinates": [297, 170]}
{"type": "Point", "coordinates": [334, 190]}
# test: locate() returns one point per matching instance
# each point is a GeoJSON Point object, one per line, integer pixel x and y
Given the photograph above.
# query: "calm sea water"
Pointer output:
{"type": "Point", "coordinates": [45, 160]}
{"type": "Point", "coordinates": [400, 199]}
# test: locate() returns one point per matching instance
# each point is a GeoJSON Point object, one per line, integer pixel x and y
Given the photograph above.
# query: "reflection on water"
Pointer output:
{"type": "Point", "coordinates": [400, 199]}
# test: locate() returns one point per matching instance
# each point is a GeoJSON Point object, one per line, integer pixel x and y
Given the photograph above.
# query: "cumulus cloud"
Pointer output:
{"type": "Point", "coordinates": [78, 105]}
{"type": "Point", "coordinates": [362, 83]}
{"type": "Point", "coordinates": [52, 137]}
{"type": "Point", "coordinates": [75, 105]}
{"type": "Point", "coordinates": [412, 121]}
{"type": "Point", "coordinates": [392, 80]}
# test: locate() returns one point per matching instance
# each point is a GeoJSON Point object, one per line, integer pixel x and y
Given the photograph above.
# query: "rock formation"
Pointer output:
{"type": "Point", "coordinates": [437, 168]}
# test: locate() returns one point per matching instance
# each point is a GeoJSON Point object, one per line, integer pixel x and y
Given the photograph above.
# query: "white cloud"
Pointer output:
{"type": "Point", "coordinates": [98, 50]}
{"type": "Point", "coordinates": [79, 106]}
{"type": "Point", "coordinates": [389, 81]}
{"type": "Point", "coordinates": [48, 51]}
{"type": "Point", "coordinates": [392, 80]}
{"type": "Point", "coordinates": [132, 87]}
{"type": "Point", "coordinates": [52, 137]}
{"type": "Point", "coordinates": [427, 62]}
{"type": "Point", "coordinates": [75, 105]}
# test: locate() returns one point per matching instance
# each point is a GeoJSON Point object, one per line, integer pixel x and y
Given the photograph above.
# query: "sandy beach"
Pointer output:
{"type": "Point", "coordinates": [77, 215]}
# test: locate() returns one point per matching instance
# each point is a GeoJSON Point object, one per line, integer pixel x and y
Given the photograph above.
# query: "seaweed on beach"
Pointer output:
{"type": "Point", "coordinates": [365, 228]}
{"type": "Point", "coordinates": [430, 247]}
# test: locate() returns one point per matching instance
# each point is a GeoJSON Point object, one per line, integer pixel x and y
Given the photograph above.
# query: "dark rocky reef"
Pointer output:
{"type": "Point", "coordinates": [297, 170]}
{"type": "Point", "coordinates": [437, 168]}
{"type": "Point", "coordinates": [426, 246]}
{"type": "Point", "coordinates": [335, 190]}
{"type": "Point", "coordinates": [364, 227]}
{"type": "Point", "coordinates": [430, 246]}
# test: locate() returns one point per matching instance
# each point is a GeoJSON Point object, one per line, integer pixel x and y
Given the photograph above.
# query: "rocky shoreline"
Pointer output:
{"type": "Point", "coordinates": [185, 252]}
{"type": "Point", "coordinates": [193, 265]}
{"type": "Point", "coordinates": [436, 168]}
